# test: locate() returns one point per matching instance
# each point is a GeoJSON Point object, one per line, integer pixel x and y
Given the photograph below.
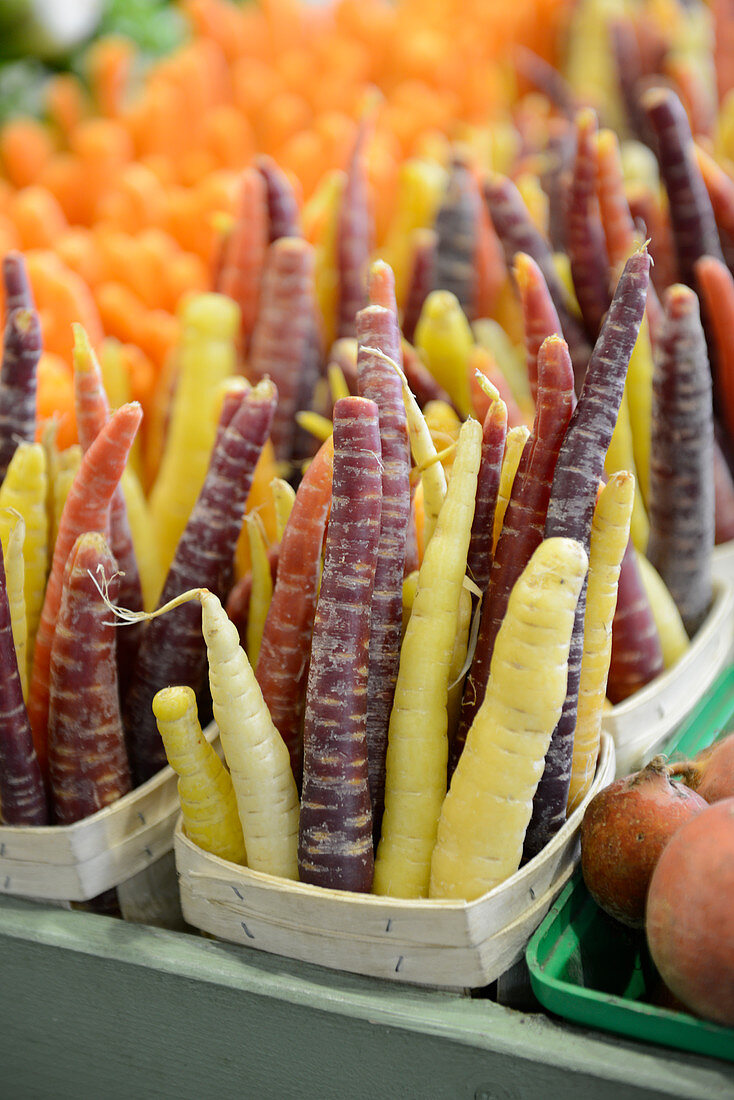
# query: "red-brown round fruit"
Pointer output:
{"type": "Point", "coordinates": [624, 830]}
{"type": "Point", "coordinates": [712, 771]}
{"type": "Point", "coordinates": [690, 914]}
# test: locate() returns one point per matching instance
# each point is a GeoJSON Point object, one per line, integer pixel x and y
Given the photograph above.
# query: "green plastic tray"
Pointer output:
{"type": "Point", "coordinates": [589, 968]}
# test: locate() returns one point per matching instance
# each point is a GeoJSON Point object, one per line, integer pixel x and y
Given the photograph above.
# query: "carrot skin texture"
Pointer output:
{"type": "Point", "coordinates": [244, 252]}
{"type": "Point", "coordinates": [691, 214]}
{"type": "Point", "coordinates": [22, 791]}
{"type": "Point", "coordinates": [456, 227]}
{"type": "Point", "coordinates": [88, 766]}
{"type": "Point", "coordinates": [494, 435]}
{"type": "Point", "coordinates": [378, 328]}
{"type": "Point", "coordinates": [716, 288]}
{"type": "Point", "coordinates": [637, 656]}
{"type": "Point", "coordinates": [172, 650]}
{"type": "Point", "coordinates": [424, 386]}
{"type": "Point", "coordinates": [22, 346]}
{"type": "Point", "coordinates": [335, 846]}
{"type": "Point", "coordinates": [354, 239]}
{"type": "Point", "coordinates": [571, 509]}
{"type": "Point", "coordinates": [86, 509]}
{"type": "Point", "coordinates": [681, 505]}
{"type": "Point", "coordinates": [16, 285]}
{"type": "Point", "coordinates": [282, 206]}
{"type": "Point", "coordinates": [525, 517]}
{"type": "Point", "coordinates": [540, 316]}
{"type": "Point", "coordinates": [422, 278]}
{"type": "Point", "coordinates": [585, 240]}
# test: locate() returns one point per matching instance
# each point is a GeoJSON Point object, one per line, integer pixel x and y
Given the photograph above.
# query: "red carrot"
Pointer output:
{"type": "Point", "coordinates": [335, 832]}
{"type": "Point", "coordinates": [16, 285]}
{"type": "Point", "coordinates": [585, 241]}
{"type": "Point", "coordinates": [381, 292]}
{"type": "Point", "coordinates": [490, 269]}
{"type": "Point", "coordinates": [571, 508]}
{"type": "Point", "coordinates": [86, 509]}
{"type": "Point", "coordinates": [539, 313]}
{"type": "Point", "coordinates": [525, 518]}
{"type": "Point", "coordinates": [354, 237]}
{"type": "Point", "coordinates": [691, 213]}
{"type": "Point", "coordinates": [282, 205]}
{"type": "Point", "coordinates": [720, 188]}
{"type": "Point", "coordinates": [172, 650]}
{"type": "Point", "coordinates": [422, 277]}
{"type": "Point", "coordinates": [282, 664]}
{"type": "Point", "coordinates": [723, 498]}
{"type": "Point", "coordinates": [716, 286]}
{"type": "Point", "coordinates": [456, 225]}
{"type": "Point", "coordinates": [283, 330]}
{"type": "Point", "coordinates": [244, 255]}
{"type": "Point", "coordinates": [681, 496]}
{"type": "Point", "coordinates": [494, 434]}
{"type": "Point", "coordinates": [88, 764]}
{"type": "Point", "coordinates": [378, 330]}
{"type": "Point", "coordinates": [653, 223]}
{"type": "Point", "coordinates": [22, 791]}
{"type": "Point", "coordinates": [22, 347]}
{"type": "Point", "coordinates": [723, 42]}
{"type": "Point", "coordinates": [637, 656]}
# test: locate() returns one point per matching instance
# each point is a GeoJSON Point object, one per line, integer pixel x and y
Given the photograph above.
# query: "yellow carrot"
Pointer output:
{"type": "Point", "coordinates": [319, 426]}
{"type": "Point", "coordinates": [444, 425]}
{"type": "Point", "coordinates": [261, 592]}
{"type": "Point", "coordinates": [67, 464]}
{"type": "Point", "coordinates": [511, 360]}
{"type": "Point", "coordinates": [610, 530]}
{"type": "Point", "coordinates": [337, 382]}
{"type": "Point", "coordinates": [116, 380]}
{"type": "Point", "coordinates": [14, 581]}
{"type": "Point", "coordinates": [205, 791]}
{"type": "Point", "coordinates": [421, 184]}
{"type": "Point", "coordinates": [620, 456]}
{"type": "Point", "coordinates": [417, 751]}
{"type": "Point", "coordinates": [674, 640]}
{"type": "Point", "coordinates": [444, 338]}
{"type": "Point", "coordinates": [410, 587]}
{"type": "Point", "coordinates": [25, 489]}
{"type": "Point", "coordinates": [517, 437]}
{"type": "Point", "coordinates": [141, 528]}
{"type": "Point", "coordinates": [487, 810]}
{"type": "Point", "coordinates": [638, 388]}
{"type": "Point", "coordinates": [325, 273]}
{"type": "Point", "coordinates": [458, 666]}
{"type": "Point", "coordinates": [283, 497]}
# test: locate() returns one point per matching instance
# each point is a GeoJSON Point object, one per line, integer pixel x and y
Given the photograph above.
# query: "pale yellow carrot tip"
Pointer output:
{"type": "Point", "coordinates": [337, 382]}
{"type": "Point", "coordinates": [439, 456]}
{"type": "Point", "coordinates": [170, 704]}
{"type": "Point", "coordinates": [485, 385]}
{"type": "Point", "coordinates": [319, 426]}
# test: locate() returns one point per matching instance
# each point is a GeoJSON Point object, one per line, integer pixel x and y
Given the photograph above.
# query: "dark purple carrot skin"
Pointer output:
{"type": "Point", "coordinates": [16, 285]}
{"type": "Point", "coordinates": [377, 328]}
{"type": "Point", "coordinates": [517, 233]}
{"type": "Point", "coordinates": [22, 347]}
{"type": "Point", "coordinates": [22, 791]}
{"type": "Point", "coordinates": [305, 444]}
{"type": "Point", "coordinates": [422, 278]}
{"type": "Point", "coordinates": [585, 240]}
{"type": "Point", "coordinates": [637, 656]}
{"type": "Point", "coordinates": [691, 213]}
{"type": "Point", "coordinates": [525, 518]}
{"type": "Point", "coordinates": [573, 496]}
{"type": "Point", "coordinates": [555, 174]}
{"type": "Point", "coordinates": [88, 765]}
{"type": "Point", "coordinates": [282, 332]}
{"type": "Point", "coordinates": [628, 66]}
{"type": "Point", "coordinates": [335, 845]}
{"type": "Point", "coordinates": [354, 239]}
{"type": "Point", "coordinates": [283, 215]}
{"type": "Point", "coordinates": [172, 649]}
{"type": "Point", "coordinates": [456, 227]}
{"type": "Point", "coordinates": [540, 317]}
{"type": "Point", "coordinates": [681, 501]}
{"type": "Point", "coordinates": [723, 498]}
{"type": "Point", "coordinates": [494, 435]}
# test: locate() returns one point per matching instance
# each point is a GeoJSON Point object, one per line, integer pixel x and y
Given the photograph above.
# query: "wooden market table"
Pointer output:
{"type": "Point", "coordinates": [94, 1007]}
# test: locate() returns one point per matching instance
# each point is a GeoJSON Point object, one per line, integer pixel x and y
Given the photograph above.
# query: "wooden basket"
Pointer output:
{"type": "Point", "coordinates": [77, 862]}
{"type": "Point", "coordinates": [452, 944]}
{"type": "Point", "coordinates": [642, 724]}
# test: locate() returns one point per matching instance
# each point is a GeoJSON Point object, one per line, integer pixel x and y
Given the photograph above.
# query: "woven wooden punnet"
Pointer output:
{"type": "Point", "coordinates": [642, 724]}
{"type": "Point", "coordinates": [77, 862]}
{"type": "Point", "coordinates": [439, 943]}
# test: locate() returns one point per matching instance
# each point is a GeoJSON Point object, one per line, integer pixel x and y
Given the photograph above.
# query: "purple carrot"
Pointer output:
{"type": "Point", "coordinates": [456, 227]}
{"type": "Point", "coordinates": [546, 79]}
{"type": "Point", "coordinates": [22, 347]}
{"type": "Point", "coordinates": [424, 243]}
{"type": "Point", "coordinates": [524, 522]}
{"type": "Point", "coordinates": [305, 445]}
{"type": "Point", "coordinates": [555, 173]}
{"type": "Point", "coordinates": [571, 509]}
{"type": "Point", "coordinates": [354, 238]}
{"type": "Point", "coordinates": [629, 72]}
{"type": "Point", "coordinates": [335, 846]}
{"type": "Point", "coordinates": [282, 332]}
{"type": "Point", "coordinates": [16, 285]}
{"type": "Point", "coordinates": [681, 497]}
{"type": "Point", "coordinates": [539, 314]}
{"type": "Point", "coordinates": [22, 791]}
{"type": "Point", "coordinates": [378, 331]}
{"type": "Point", "coordinates": [283, 216]}
{"type": "Point", "coordinates": [172, 649]}
{"type": "Point", "coordinates": [585, 240]}
{"type": "Point", "coordinates": [494, 434]}
{"type": "Point", "coordinates": [517, 233]}
{"type": "Point", "coordinates": [637, 655]}
{"type": "Point", "coordinates": [691, 213]}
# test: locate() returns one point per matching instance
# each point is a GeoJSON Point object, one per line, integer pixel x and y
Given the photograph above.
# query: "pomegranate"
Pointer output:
{"type": "Point", "coordinates": [624, 830]}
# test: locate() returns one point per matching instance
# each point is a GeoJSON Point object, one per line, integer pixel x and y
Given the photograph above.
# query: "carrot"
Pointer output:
{"type": "Point", "coordinates": [494, 435]}
{"type": "Point", "coordinates": [628, 68]}
{"type": "Point", "coordinates": [681, 504]}
{"type": "Point", "coordinates": [539, 313]}
{"type": "Point", "coordinates": [585, 240]}
{"type": "Point", "coordinates": [444, 339]}
{"type": "Point", "coordinates": [417, 749]}
{"type": "Point", "coordinates": [422, 277]}
{"type": "Point", "coordinates": [514, 447]}
{"type": "Point", "coordinates": [637, 656]}
{"type": "Point", "coordinates": [378, 329]}
{"type": "Point", "coordinates": [609, 536]}
{"type": "Point", "coordinates": [88, 767]}
{"type": "Point", "coordinates": [723, 497]}
{"type": "Point", "coordinates": [674, 640]}
{"type": "Point", "coordinates": [205, 789]}
{"type": "Point", "coordinates": [171, 651]}
{"type": "Point", "coordinates": [282, 665]}
{"type": "Point", "coordinates": [716, 287]}
{"type": "Point", "coordinates": [64, 469]}
{"type": "Point", "coordinates": [14, 580]}
{"type": "Point", "coordinates": [87, 509]}
{"type": "Point", "coordinates": [620, 456]}
{"type": "Point", "coordinates": [335, 846]}
{"type": "Point", "coordinates": [282, 204]}
{"type": "Point", "coordinates": [480, 832]}
{"type": "Point", "coordinates": [456, 226]}
{"type": "Point", "coordinates": [21, 352]}
{"type": "Point", "coordinates": [525, 517]}
{"type": "Point", "coordinates": [433, 477]}
{"type": "Point", "coordinates": [420, 380]}
{"type": "Point", "coordinates": [571, 507]}
{"type": "Point", "coordinates": [691, 214]}
{"type": "Point", "coordinates": [262, 585]}
{"type": "Point", "coordinates": [22, 792]}
{"type": "Point", "coordinates": [16, 286]}
{"type": "Point", "coordinates": [245, 249]}
{"type": "Point", "coordinates": [354, 236]}
{"type": "Point", "coordinates": [720, 188]}
{"type": "Point", "coordinates": [543, 76]}
{"type": "Point", "coordinates": [280, 339]}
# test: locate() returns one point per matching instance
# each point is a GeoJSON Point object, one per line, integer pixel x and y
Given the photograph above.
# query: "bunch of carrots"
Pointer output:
{"type": "Point", "coordinates": [382, 499]}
